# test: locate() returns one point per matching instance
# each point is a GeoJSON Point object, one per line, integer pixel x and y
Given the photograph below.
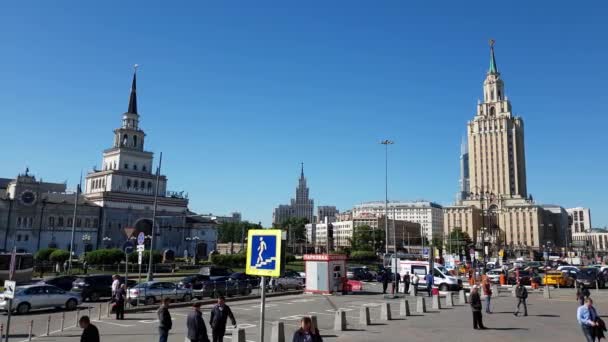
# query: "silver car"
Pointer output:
{"type": "Point", "coordinates": [151, 292]}
{"type": "Point", "coordinates": [40, 296]}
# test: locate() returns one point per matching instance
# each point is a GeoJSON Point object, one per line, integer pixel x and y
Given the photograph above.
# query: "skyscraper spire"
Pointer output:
{"type": "Point", "coordinates": [133, 99]}
{"type": "Point", "coordinates": [493, 69]}
{"type": "Point", "coordinates": [302, 171]}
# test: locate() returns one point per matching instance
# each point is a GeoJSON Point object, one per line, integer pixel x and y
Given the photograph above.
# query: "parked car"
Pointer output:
{"type": "Point", "coordinates": [219, 286]}
{"type": "Point", "coordinates": [94, 287]}
{"type": "Point", "coordinates": [194, 282]}
{"type": "Point", "coordinates": [291, 280]}
{"type": "Point", "coordinates": [62, 282]}
{"type": "Point", "coordinates": [215, 271]}
{"type": "Point", "coordinates": [494, 275]}
{"type": "Point", "coordinates": [524, 277]}
{"type": "Point", "coordinates": [40, 296]}
{"type": "Point", "coordinates": [359, 273]}
{"type": "Point", "coordinates": [151, 292]}
{"type": "Point", "coordinates": [557, 279]}
{"type": "Point", "coordinates": [591, 277]}
{"type": "Point", "coordinates": [571, 271]}
{"type": "Point", "coordinates": [245, 281]}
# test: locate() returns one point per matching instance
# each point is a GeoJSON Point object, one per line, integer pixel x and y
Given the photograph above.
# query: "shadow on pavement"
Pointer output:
{"type": "Point", "coordinates": [506, 329]}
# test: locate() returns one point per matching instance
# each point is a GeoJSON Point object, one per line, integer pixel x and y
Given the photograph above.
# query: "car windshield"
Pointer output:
{"type": "Point", "coordinates": [588, 271]}
{"type": "Point", "coordinates": [442, 269]}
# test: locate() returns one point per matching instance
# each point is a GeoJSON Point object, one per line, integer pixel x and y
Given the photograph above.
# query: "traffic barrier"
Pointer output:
{"type": "Point", "coordinates": [462, 297]}
{"type": "Point", "coordinates": [436, 303]}
{"type": "Point", "coordinates": [278, 332]}
{"type": "Point", "coordinates": [449, 300]}
{"type": "Point", "coordinates": [29, 337]}
{"type": "Point", "coordinates": [340, 320]}
{"type": "Point", "coordinates": [62, 321]}
{"type": "Point", "coordinates": [238, 335]}
{"type": "Point", "coordinates": [404, 308]}
{"type": "Point", "coordinates": [385, 312]}
{"type": "Point", "coordinates": [364, 316]}
{"type": "Point", "coordinates": [420, 305]}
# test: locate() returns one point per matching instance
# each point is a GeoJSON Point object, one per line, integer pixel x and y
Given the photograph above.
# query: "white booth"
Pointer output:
{"type": "Point", "coordinates": [325, 273]}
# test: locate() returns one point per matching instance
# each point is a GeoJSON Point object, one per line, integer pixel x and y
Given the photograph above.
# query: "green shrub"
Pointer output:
{"type": "Point", "coordinates": [44, 254]}
{"type": "Point", "coordinates": [229, 260]}
{"type": "Point", "coordinates": [105, 256]}
{"type": "Point", "coordinates": [363, 256]}
{"type": "Point", "coordinates": [157, 257]}
{"type": "Point", "coordinates": [59, 255]}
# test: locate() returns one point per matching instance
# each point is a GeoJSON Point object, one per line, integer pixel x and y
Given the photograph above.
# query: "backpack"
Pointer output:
{"type": "Point", "coordinates": [520, 292]}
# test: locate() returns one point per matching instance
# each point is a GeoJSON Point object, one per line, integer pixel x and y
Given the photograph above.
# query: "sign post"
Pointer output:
{"type": "Point", "coordinates": [264, 259]}
{"type": "Point", "coordinates": [10, 284]}
{"type": "Point", "coordinates": [128, 249]}
{"type": "Point", "coordinates": [141, 238]}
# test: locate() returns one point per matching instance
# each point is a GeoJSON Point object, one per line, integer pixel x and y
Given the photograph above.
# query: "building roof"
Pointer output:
{"type": "Point", "coordinates": [413, 204]}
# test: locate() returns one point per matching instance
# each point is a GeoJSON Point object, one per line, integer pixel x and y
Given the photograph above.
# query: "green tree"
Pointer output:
{"type": "Point", "coordinates": [59, 256]}
{"type": "Point", "coordinates": [456, 240]}
{"type": "Point", "coordinates": [364, 237]}
{"type": "Point", "coordinates": [295, 228]}
{"type": "Point", "coordinates": [105, 256]}
{"type": "Point", "coordinates": [44, 254]}
{"type": "Point", "coordinates": [157, 257]}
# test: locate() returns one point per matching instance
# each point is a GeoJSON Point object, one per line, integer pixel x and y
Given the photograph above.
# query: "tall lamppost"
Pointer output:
{"type": "Point", "coordinates": [386, 143]}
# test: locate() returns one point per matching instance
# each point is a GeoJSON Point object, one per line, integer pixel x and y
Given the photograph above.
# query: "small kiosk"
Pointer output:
{"type": "Point", "coordinates": [325, 273]}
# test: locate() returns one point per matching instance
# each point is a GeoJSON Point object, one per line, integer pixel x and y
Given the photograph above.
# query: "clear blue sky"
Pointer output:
{"type": "Point", "coordinates": [237, 93]}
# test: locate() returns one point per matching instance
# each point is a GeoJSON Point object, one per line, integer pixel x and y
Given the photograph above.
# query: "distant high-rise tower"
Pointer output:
{"type": "Point", "coordinates": [301, 206]}
{"type": "Point", "coordinates": [464, 188]}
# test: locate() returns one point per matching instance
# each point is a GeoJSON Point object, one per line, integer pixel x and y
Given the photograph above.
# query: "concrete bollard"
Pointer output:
{"type": "Point", "coordinates": [108, 309]}
{"type": "Point", "coordinates": [495, 291]}
{"type": "Point", "coordinates": [449, 300]}
{"type": "Point", "coordinates": [62, 321]}
{"type": "Point", "coordinates": [77, 317]}
{"type": "Point", "coordinates": [462, 297]}
{"type": "Point", "coordinates": [29, 337]}
{"type": "Point", "coordinates": [546, 293]}
{"type": "Point", "coordinates": [513, 291]}
{"type": "Point", "coordinates": [404, 308]}
{"type": "Point", "coordinates": [385, 312]}
{"type": "Point", "coordinates": [436, 303]}
{"type": "Point", "coordinates": [238, 335]}
{"type": "Point", "coordinates": [99, 312]}
{"type": "Point", "coordinates": [420, 305]}
{"type": "Point", "coordinates": [340, 320]}
{"type": "Point", "coordinates": [364, 316]}
{"type": "Point", "coordinates": [278, 332]}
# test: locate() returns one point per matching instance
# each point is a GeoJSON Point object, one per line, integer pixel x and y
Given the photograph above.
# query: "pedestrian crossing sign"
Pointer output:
{"type": "Point", "coordinates": [264, 252]}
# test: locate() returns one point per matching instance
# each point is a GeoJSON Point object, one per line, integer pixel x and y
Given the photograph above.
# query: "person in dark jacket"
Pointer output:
{"type": "Point", "coordinates": [385, 278]}
{"type": "Point", "coordinates": [196, 329]}
{"type": "Point", "coordinates": [219, 315]}
{"type": "Point", "coordinates": [306, 333]}
{"type": "Point", "coordinates": [406, 282]}
{"type": "Point", "coordinates": [119, 299]}
{"type": "Point", "coordinates": [522, 294]}
{"type": "Point", "coordinates": [582, 292]}
{"type": "Point", "coordinates": [476, 308]}
{"type": "Point", "coordinates": [397, 279]}
{"type": "Point", "coordinates": [89, 331]}
{"type": "Point", "coordinates": [164, 320]}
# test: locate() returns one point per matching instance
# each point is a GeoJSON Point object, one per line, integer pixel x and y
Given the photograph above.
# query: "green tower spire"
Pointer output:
{"type": "Point", "coordinates": [493, 69]}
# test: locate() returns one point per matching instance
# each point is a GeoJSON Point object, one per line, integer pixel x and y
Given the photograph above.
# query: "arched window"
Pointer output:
{"type": "Point", "coordinates": [135, 184]}
{"type": "Point", "coordinates": [492, 111]}
{"type": "Point", "coordinates": [70, 221]}
{"type": "Point", "coordinates": [135, 167]}
{"type": "Point", "coordinates": [128, 184]}
{"type": "Point", "coordinates": [135, 141]}
{"type": "Point", "coordinates": [499, 95]}
{"type": "Point", "coordinates": [149, 186]}
{"type": "Point", "coordinates": [18, 221]}
{"type": "Point", "coordinates": [78, 222]}
{"type": "Point", "coordinates": [143, 168]}
{"type": "Point", "coordinates": [52, 221]}
{"type": "Point", "coordinates": [126, 166]}
{"type": "Point", "coordinates": [60, 221]}
{"type": "Point", "coordinates": [87, 223]}
{"type": "Point", "coordinates": [26, 237]}
{"type": "Point", "coordinates": [125, 138]}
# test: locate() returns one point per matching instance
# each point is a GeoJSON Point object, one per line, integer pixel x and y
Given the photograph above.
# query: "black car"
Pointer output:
{"type": "Point", "coordinates": [245, 280]}
{"type": "Point", "coordinates": [194, 282]}
{"type": "Point", "coordinates": [591, 277]}
{"type": "Point", "coordinates": [215, 271]}
{"type": "Point", "coordinates": [62, 282]}
{"type": "Point", "coordinates": [219, 286]}
{"type": "Point", "coordinates": [94, 287]}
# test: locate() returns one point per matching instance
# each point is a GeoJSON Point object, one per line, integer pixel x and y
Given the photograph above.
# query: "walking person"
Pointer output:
{"type": "Point", "coordinates": [415, 281]}
{"type": "Point", "coordinates": [397, 278]}
{"type": "Point", "coordinates": [429, 284]}
{"type": "Point", "coordinates": [196, 329]}
{"type": "Point", "coordinates": [487, 291]}
{"type": "Point", "coordinates": [115, 284]}
{"type": "Point", "coordinates": [89, 331]}
{"type": "Point", "coordinates": [219, 315]}
{"type": "Point", "coordinates": [306, 333]}
{"type": "Point", "coordinates": [164, 320]}
{"type": "Point", "coordinates": [587, 317]}
{"type": "Point", "coordinates": [119, 299]}
{"type": "Point", "coordinates": [406, 282]}
{"type": "Point", "coordinates": [582, 292]}
{"type": "Point", "coordinates": [522, 294]}
{"type": "Point", "coordinates": [385, 278]}
{"type": "Point", "coordinates": [476, 308]}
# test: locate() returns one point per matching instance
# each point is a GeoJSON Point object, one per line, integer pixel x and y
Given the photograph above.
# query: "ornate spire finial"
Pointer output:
{"type": "Point", "coordinates": [492, 42]}
{"type": "Point", "coordinates": [302, 170]}
{"type": "Point", "coordinates": [493, 68]}
{"type": "Point", "coordinates": [133, 99]}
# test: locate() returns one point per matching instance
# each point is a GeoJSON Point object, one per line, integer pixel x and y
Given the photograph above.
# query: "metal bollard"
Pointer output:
{"type": "Point", "coordinates": [29, 338]}
{"type": "Point", "coordinates": [62, 321]}
{"type": "Point", "coordinates": [385, 312]}
{"type": "Point", "coordinates": [99, 312]}
{"type": "Point", "coordinates": [340, 320]}
{"type": "Point", "coordinates": [48, 326]}
{"type": "Point", "coordinates": [404, 308]}
{"type": "Point", "coordinates": [77, 317]}
{"type": "Point", "coordinates": [364, 316]}
{"type": "Point", "coordinates": [238, 335]}
{"type": "Point", "coordinates": [278, 332]}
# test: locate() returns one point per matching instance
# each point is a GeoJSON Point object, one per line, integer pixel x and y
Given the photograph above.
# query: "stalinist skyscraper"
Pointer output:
{"type": "Point", "coordinates": [493, 204]}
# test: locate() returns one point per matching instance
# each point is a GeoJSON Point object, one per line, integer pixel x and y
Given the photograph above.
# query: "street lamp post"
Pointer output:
{"type": "Point", "coordinates": [386, 143]}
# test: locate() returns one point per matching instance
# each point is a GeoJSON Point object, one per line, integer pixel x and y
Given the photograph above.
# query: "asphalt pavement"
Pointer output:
{"type": "Point", "coordinates": [549, 320]}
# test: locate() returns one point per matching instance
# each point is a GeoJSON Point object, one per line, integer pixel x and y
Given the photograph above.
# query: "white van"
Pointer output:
{"type": "Point", "coordinates": [441, 277]}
